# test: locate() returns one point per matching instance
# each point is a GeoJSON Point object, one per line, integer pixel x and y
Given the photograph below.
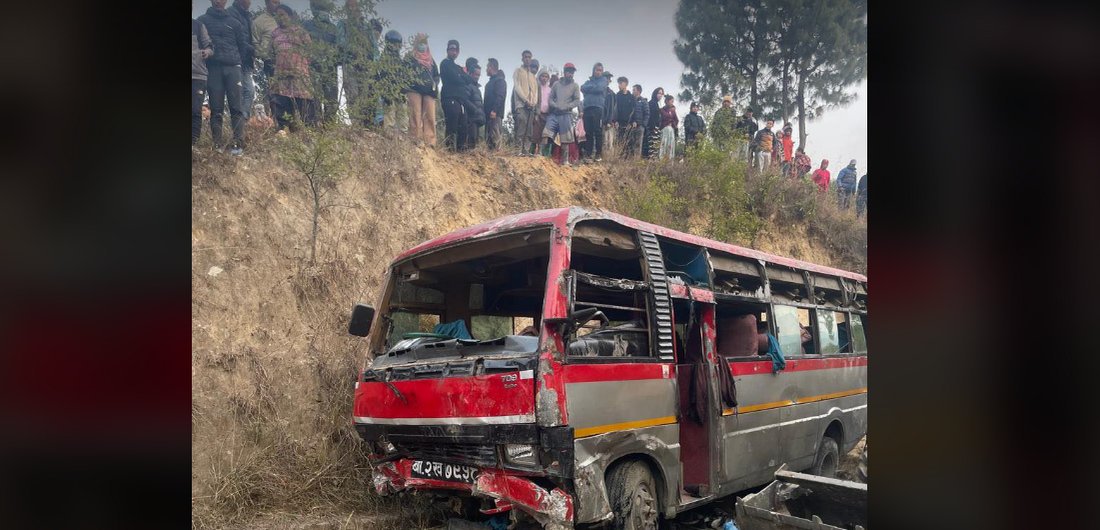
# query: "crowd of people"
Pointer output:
{"type": "Point", "coordinates": [553, 114]}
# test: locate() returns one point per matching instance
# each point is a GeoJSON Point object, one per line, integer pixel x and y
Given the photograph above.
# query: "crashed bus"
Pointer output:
{"type": "Point", "coordinates": [639, 388]}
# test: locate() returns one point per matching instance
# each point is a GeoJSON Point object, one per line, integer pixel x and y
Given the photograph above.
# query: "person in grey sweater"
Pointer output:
{"type": "Point", "coordinates": [565, 96]}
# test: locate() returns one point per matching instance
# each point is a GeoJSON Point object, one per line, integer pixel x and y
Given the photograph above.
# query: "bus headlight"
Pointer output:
{"type": "Point", "coordinates": [522, 454]}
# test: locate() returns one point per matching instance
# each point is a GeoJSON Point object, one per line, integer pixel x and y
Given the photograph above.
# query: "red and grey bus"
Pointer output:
{"type": "Point", "coordinates": [577, 366]}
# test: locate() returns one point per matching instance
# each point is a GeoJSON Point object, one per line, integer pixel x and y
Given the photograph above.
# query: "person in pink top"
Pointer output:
{"type": "Point", "coordinates": [821, 176]}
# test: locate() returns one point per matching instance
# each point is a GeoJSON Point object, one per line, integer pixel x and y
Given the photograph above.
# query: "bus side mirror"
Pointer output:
{"type": "Point", "coordinates": [361, 319]}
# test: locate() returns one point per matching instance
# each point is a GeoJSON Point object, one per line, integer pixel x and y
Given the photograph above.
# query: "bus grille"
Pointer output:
{"type": "Point", "coordinates": [484, 455]}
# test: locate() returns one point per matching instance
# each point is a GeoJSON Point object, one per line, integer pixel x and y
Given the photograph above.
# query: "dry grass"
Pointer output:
{"type": "Point", "coordinates": [272, 365]}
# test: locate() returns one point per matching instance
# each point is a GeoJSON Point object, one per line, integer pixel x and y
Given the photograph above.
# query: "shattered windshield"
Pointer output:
{"type": "Point", "coordinates": [484, 296]}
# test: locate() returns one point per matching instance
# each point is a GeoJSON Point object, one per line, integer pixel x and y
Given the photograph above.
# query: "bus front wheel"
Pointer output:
{"type": "Point", "coordinates": [828, 454]}
{"type": "Point", "coordinates": [632, 492]}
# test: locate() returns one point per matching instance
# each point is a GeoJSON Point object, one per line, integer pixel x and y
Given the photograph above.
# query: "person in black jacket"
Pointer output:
{"type": "Point", "coordinates": [201, 48]}
{"type": "Point", "coordinates": [453, 95]}
{"type": "Point", "coordinates": [638, 120]}
{"type": "Point", "coordinates": [495, 93]}
{"type": "Point", "coordinates": [622, 114]}
{"type": "Point", "coordinates": [475, 107]}
{"type": "Point", "coordinates": [693, 126]}
{"type": "Point", "coordinates": [861, 196]}
{"type": "Point", "coordinates": [239, 11]}
{"type": "Point", "coordinates": [224, 73]}
{"type": "Point", "coordinates": [652, 131]}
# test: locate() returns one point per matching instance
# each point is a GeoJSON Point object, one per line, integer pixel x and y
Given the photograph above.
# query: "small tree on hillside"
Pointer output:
{"type": "Point", "coordinates": [319, 155]}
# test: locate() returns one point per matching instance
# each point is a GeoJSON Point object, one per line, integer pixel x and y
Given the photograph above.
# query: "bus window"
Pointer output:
{"type": "Point", "coordinates": [792, 330]}
{"type": "Point", "coordinates": [486, 327]}
{"type": "Point", "coordinates": [409, 322]}
{"type": "Point", "coordinates": [843, 331]}
{"type": "Point", "coordinates": [828, 334]}
{"type": "Point", "coordinates": [859, 337]}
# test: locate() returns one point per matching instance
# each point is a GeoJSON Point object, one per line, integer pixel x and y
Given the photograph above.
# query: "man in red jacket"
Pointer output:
{"type": "Point", "coordinates": [821, 176]}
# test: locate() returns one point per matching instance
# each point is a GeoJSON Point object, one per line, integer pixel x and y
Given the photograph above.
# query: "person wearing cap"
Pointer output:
{"type": "Point", "coordinates": [723, 125]}
{"type": "Point", "coordinates": [453, 95]}
{"type": "Point", "coordinates": [565, 96]}
{"type": "Point", "coordinates": [595, 93]}
{"type": "Point", "coordinates": [496, 91]}
{"type": "Point", "coordinates": [846, 185]}
{"type": "Point", "coordinates": [392, 71]}
{"type": "Point", "coordinates": [324, 54]}
{"type": "Point", "coordinates": [525, 86]}
{"type": "Point", "coordinates": [538, 120]}
{"type": "Point", "coordinates": [475, 106]}
{"type": "Point", "coordinates": [694, 126]}
{"type": "Point", "coordinates": [746, 131]}
{"type": "Point", "coordinates": [421, 94]}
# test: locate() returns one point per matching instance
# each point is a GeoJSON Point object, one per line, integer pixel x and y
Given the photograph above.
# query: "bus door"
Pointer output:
{"type": "Point", "coordinates": [697, 410]}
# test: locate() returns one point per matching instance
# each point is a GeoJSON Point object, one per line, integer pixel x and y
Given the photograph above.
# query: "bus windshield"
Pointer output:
{"type": "Point", "coordinates": [483, 296]}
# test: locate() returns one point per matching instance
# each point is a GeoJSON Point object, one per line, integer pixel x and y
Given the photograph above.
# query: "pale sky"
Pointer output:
{"type": "Point", "coordinates": [632, 38]}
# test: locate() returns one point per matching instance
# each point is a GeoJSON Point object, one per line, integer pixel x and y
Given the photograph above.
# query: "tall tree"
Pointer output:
{"type": "Point", "coordinates": [783, 56]}
{"type": "Point", "coordinates": [725, 48]}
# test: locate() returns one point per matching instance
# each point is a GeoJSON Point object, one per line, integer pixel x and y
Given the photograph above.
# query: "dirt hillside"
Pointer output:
{"type": "Point", "coordinates": [272, 365]}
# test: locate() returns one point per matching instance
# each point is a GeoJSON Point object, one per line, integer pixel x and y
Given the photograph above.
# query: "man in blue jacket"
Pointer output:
{"type": "Point", "coordinates": [595, 96]}
{"type": "Point", "coordinates": [846, 185]}
{"type": "Point", "coordinates": [495, 92]}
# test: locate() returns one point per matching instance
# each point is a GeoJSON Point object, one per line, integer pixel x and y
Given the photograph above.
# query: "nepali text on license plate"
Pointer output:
{"type": "Point", "coordinates": [444, 471]}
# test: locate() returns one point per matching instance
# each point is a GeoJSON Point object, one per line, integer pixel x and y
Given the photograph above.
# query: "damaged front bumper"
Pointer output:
{"type": "Point", "coordinates": [553, 508]}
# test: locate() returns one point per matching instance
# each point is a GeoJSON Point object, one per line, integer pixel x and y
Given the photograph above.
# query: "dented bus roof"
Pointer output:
{"type": "Point", "coordinates": [565, 218]}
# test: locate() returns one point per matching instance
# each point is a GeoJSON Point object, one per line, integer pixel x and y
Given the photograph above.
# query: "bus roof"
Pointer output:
{"type": "Point", "coordinates": [566, 217]}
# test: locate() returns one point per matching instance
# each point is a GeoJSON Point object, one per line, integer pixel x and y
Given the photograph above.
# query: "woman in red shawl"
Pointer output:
{"type": "Point", "coordinates": [291, 89]}
{"type": "Point", "coordinates": [422, 93]}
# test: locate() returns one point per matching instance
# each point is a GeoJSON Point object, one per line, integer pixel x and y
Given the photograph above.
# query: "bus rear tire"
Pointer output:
{"type": "Point", "coordinates": [633, 496]}
{"type": "Point", "coordinates": [828, 455]}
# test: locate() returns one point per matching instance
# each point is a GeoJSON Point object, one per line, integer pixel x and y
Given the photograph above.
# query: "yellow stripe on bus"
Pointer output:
{"type": "Point", "coordinates": [799, 401]}
{"type": "Point", "coordinates": [611, 427]}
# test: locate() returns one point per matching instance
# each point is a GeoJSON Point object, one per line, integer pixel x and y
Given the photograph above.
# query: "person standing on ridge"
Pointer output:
{"type": "Point", "coordinates": [723, 126]}
{"type": "Point", "coordinates": [694, 127]}
{"type": "Point", "coordinates": [651, 137]}
{"type": "Point", "coordinates": [475, 106]}
{"type": "Point", "coordinates": [788, 147]}
{"type": "Point", "coordinates": [669, 124]}
{"type": "Point", "coordinates": [746, 129]}
{"type": "Point", "coordinates": [291, 86]}
{"type": "Point", "coordinates": [239, 11]}
{"type": "Point", "coordinates": [764, 143]}
{"type": "Point", "coordinates": [201, 48]}
{"type": "Point", "coordinates": [565, 96]}
{"type": "Point", "coordinates": [802, 164]}
{"type": "Point", "coordinates": [638, 120]}
{"type": "Point", "coordinates": [324, 56]}
{"type": "Point", "coordinates": [623, 115]}
{"type": "Point", "coordinates": [595, 94]}
{"type": "Point", "coordinates": [821, 176]}
{"type": "Point", "coordinates": [543, 109]}
{"type": "Point", "coordinates": [453, 96]}
{"type": "Point", "coordinates": [525, 95]}
{"type": "Point", "coordinates": [421, 95]}
{"type": "Point", "coordinates": [224, 73]}
{"type": "Point", "coordinates": [861, 196]}
{"type": "Point", "coordinates": [495, 95]}
{"type": "Point", "coordinates": [263, 23]}
{"type": "Point", "coordinates": [846, 185]}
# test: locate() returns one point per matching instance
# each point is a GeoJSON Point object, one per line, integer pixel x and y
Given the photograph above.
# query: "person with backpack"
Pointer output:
{"type": "Point", "coordinates": [224, 73]}
{"type": "Point", "coordinates": [495, 95]}
{"type": "Point", "coordinates": [201, 49]}
{"type": "Point", "coordinates": [846, 185]}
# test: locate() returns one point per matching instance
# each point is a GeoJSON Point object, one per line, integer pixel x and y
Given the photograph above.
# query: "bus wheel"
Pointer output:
{"type": "Point", "coordinates": [632, 492]}
{"type": "Point", "coordinates": [828, 454]}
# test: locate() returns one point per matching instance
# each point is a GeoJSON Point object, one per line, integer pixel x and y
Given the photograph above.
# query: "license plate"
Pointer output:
{"type": "Point", "coordinates": [444, 471]}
